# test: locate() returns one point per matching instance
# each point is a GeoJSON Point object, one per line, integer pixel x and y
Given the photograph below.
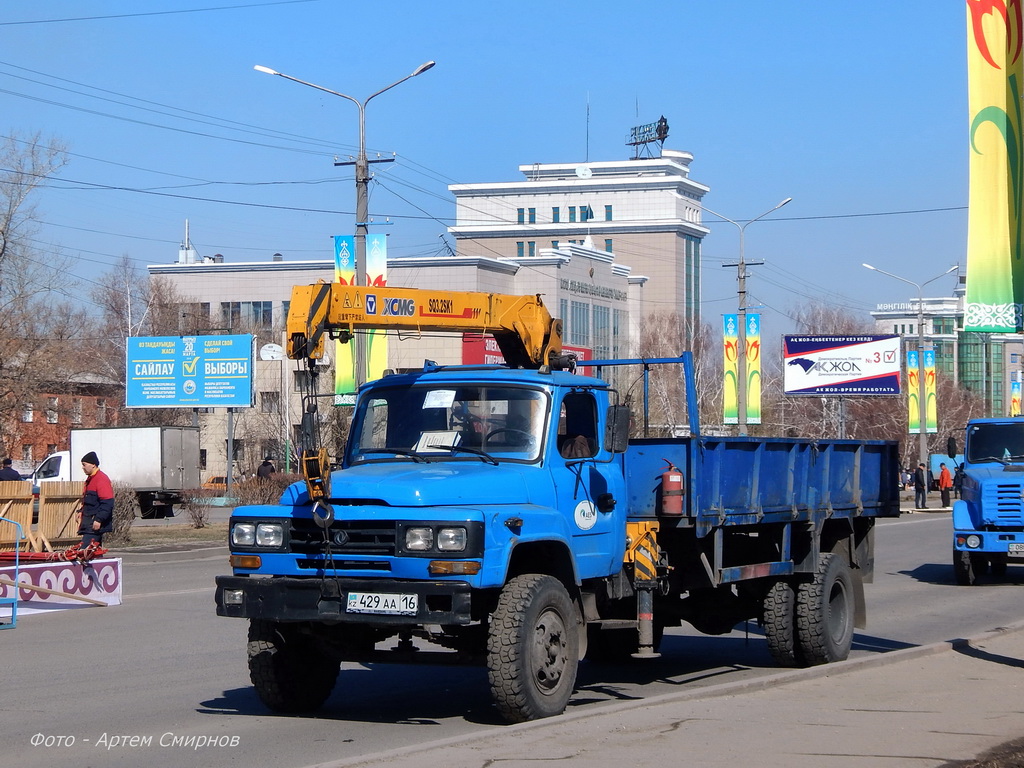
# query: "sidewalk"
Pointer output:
{"type": "Point", "coordinates": [920, 707]}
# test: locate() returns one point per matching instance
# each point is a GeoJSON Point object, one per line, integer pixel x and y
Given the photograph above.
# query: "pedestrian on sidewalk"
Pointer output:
{"type": "Point", "coordinates": [945, 484]}
{"type": "Point", "coordinates": [920, 487]}
{"type": "Point", "coordinates": [96, 509]}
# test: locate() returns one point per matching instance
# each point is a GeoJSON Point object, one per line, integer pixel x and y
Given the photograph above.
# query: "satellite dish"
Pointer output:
{"type": "Point", "coordinates": [584, 172]}
{"type": "Point", "coordinates": [271, 352]}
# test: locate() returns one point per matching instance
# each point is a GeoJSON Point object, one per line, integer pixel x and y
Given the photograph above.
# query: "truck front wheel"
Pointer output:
{"type": "Point", "coordinates": [289, 673]}
{"type": "Point", "coordinates": [825, 612]}
{"type": "Point", "coordinates": [967, 567]}
{"type": "Point", "coordinates": [532, 648]}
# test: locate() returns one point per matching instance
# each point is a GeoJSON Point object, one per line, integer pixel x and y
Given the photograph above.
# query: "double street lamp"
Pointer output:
{"type": "Point", "coordinates": [741, 290]}
{"type": "Point", "coordinates": [922, 444]}
{"type": "Point", "coordinates": [362, 193]}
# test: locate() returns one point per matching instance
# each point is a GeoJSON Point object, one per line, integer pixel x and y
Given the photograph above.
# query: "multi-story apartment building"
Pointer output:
{"type": "Point", "coordinates": [647, 211]}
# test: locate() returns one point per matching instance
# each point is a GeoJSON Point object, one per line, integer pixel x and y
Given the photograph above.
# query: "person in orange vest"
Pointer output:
{"type": "Point", "coordinates": [945, 484]}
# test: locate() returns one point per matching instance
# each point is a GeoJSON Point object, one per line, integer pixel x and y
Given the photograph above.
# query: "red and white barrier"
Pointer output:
{"type": "Point", "coordinates": [63, 584]}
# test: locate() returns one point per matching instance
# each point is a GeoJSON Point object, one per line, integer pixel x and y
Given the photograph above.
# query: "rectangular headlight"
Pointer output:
{"type": "Point", "coordinates": [269, 535]}
{"type": "Point", "coordinates": [419, 539]}
{"type": "Point", "coordinates": [451, 539]}
{"type": "Point", "coordinates": [243, 534]}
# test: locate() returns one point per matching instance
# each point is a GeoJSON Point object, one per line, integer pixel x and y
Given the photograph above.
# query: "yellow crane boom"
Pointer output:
{"type": "Point", "coordinates": [526, 334]}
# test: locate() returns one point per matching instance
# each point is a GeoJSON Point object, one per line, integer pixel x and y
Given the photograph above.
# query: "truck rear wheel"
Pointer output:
{"type": "Point", "coordinates": [780, 624]}
{"type": "Point", "coordinates": [289, 673]}
{"type": "Point", "coordinates": [532, 648]}
{"type": "Point", "coordinates": [825, 613]}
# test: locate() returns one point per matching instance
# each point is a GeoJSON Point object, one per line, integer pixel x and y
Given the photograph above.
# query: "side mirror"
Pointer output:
{"type": "Point", "coordinates": [951, 447]}
{"type": "Point", "coordinates": [616, 431]}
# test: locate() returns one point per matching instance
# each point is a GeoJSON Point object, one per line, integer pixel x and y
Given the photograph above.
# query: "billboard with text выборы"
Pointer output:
{"type": "Point", "coordinates": [189, 371]}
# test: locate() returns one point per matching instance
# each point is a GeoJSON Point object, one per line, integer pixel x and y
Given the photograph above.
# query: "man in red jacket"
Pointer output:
{"type": "Point", "coordinates": [96, 509]}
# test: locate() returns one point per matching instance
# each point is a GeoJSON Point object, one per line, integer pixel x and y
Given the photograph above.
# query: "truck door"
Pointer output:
{"type": "Point", "coordinates": [586, 479]}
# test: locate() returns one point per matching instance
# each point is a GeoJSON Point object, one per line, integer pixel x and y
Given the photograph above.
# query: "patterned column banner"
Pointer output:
{"type": "Point", "coordinates": [1015, 398]}
{"type": "Point", "coordinates": [730, 369]}
{"type": "Point", "coordinates": [344, 353]}
{"type": "Point", "coordinates": [995, 232]}
{"type": "Point", "coordinates": [376, 276]}
{"type": "Point", "coordinates": [753, 353]}
{"type": "Point", "coordinates": [931, 411]}
{"type": "Point", "coordinates": [913, 394]}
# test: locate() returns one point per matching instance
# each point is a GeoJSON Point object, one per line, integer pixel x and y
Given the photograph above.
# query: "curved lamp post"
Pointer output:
{"type": "Point", "coordinates": [922, 444]}
{"type": "Point", "coordinates": [362, 184]}
{"type": "Point", "coordinates": [741, 291]}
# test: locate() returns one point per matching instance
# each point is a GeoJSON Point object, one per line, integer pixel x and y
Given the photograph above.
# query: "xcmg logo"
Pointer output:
{"type": "Point", "coordinates": [826, 366]}
{"type": "Point", "coordinates": [399, 308]}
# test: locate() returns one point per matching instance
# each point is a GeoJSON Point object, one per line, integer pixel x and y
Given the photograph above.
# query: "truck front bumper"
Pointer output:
{"type": "Point", "coordinates": [314, 599]}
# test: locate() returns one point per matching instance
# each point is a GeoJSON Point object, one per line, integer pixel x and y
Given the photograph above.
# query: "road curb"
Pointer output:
{"type": "Point", "coordinates": [786, 677]}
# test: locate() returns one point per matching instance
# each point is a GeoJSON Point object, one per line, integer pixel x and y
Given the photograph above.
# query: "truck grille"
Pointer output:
{"type": "Point", "coordinates": [1004, 503]}
{"type": "Point", "coordinates": [347, 537]}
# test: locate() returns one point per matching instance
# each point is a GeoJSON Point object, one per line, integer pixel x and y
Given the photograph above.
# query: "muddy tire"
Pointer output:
{"type": "Point", "coordinates": [780, 624]}
{"type": "Point", "coordinates": [825, 613]}
{"type": "Point", "coordinates": [287, 670]}
{"type": "Point", "coordinates": [532, 648]}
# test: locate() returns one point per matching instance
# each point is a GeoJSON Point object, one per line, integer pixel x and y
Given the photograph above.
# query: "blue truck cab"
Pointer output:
{"type": "Point", "coordinates": [502, 517]}
{"type": "Point", "coordinates": [988, 519]}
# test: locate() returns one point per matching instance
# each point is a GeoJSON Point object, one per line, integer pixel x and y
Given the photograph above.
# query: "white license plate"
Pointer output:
{"type": "Point", "coordinates": [378, 602]}
{"type": "Point", "coordinates": [1017, 549]}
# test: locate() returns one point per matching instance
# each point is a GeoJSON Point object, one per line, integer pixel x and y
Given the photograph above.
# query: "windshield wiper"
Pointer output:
{"type": "Point", "coordinates": [484, 456]}
{"type": "Point", "coordinates": [399, 452]}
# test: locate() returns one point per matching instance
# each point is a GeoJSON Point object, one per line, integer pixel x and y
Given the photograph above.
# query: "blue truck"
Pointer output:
{"type": "Point", "coordinates": [988, 518]}
{"type": "Point", "coordinates": [503, 516]}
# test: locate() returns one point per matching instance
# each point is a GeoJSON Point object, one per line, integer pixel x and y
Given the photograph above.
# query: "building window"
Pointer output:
{"type": "Point", "coordinates": [202, 458]}
{"type": "Point", "coordinates": [101, 410]}
{"type": "Point", "coordinates": [532, 246]}
{"type": "Point", "coordinates": [28, 413]}
{"type": "Point", "coordinates": [556, 215]}
{"type": "Point", "coordinates": [572, 213]}
{"type": "Point", "coordinates": [520, 215]}
{"type": "Point", "coordinates": [607, 213]}
{"type": "Point", "coordinates": [239, 449]}
{"type": "Point", "coordinates": [51, 448]}
{"type": "Point", "coordinates": [602, 332]}
{"type": "Point", "coordinates": [270, 402]}
{"type": "Point", "coordinates": [51, 410]}
{"type": "Point", "coordinates": [608, 244]}
{"type": "Point", "coordinates": [554, 244]}
{"type": "Point", "coordinates": [76, 410]}
{"type": "Point", "coordinates": [26, 452]}
{"type": "Point", "coordinates": [532, 215]}
{"type": "Point", "coordinates": [258, 314]}
{"type": "Point", "coordinates": [579, 330]}
{"type": "Point", "coordinates": [520, 249]}
{"type": "Point", "coordinates": [586, 213]}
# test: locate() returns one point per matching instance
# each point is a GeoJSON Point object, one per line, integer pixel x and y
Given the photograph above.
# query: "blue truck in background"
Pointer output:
{"type": "Point", "coordinates": [988, 519]}
{"type": "Point", "coordinates": [504, 517]}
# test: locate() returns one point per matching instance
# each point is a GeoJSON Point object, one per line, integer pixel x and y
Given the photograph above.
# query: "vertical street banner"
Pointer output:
{"type": "Point", "coordinates": [344, 353]}
{"type": "Point", "coordinates": [753, 354]}
{"type": "Point", "coordinates": [913, 393]}
{"type": "Point", "coordinates": [931, 409]}
{"type": "Point", "coordinates": [377, 276]}
{"type": "Point", "coordinates": [995, 232]}
{"type": "Point", "coordinates": [1015, 398]}
{"type": "Point", "coordinates": [730, 369]}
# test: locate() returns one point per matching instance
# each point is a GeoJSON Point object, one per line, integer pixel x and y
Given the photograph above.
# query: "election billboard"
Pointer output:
{"type": "Point", "coordinates": [852, 366]}
{"type": "Point", "coordinates": [189, 371]}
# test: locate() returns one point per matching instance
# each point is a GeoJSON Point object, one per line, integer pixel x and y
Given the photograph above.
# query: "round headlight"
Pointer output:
{"type": "Point", "coordinates": [451, 539]}
{"type": "Point", "coordinates": [973, 541]}
{"type": "Point", "coordinates": [419, 539]}
{"type": "Point", "coordinates": [243, 534]}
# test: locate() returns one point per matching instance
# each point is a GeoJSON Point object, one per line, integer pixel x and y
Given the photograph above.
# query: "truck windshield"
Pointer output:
{"type": "Point", "coordinates": [995, 442]}
{"type": "Point", "coordinates": [449, 423]}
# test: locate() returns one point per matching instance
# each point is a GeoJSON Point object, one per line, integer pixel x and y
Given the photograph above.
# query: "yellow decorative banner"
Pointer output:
{"type": "Point", "coordinates": [753, 354]}
{"type": "Point", "coordinates": [913, 393]}
{"type": "Point", "coordinates": [931, 410]}
{"type": "Point", "coordinates": [344, 353]}
{"type": "Point", "coordinates": [730, 368]}
{"type": "Point", "coordinates": [995, 232]}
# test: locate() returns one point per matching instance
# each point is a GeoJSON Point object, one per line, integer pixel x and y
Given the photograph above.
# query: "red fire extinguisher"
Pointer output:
{"type": "Point", "coordinates": [671, 490]}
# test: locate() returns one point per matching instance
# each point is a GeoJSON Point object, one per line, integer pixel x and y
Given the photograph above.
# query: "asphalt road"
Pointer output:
{"type": "Point", "coordinates": [161, 680]}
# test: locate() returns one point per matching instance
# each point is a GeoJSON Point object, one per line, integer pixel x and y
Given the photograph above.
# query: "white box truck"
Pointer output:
{"type": "Point", "coordinates": [158, 462]}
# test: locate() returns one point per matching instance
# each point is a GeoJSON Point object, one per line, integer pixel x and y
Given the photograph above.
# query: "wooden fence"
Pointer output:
{"type": "Point", "coordinates": [57, 522]}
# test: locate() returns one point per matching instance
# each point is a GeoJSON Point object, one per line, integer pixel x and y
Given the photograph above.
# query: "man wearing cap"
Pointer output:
{"type": "Point", "coordinates": [97, 505]}
{"type": "Point", "coordinates": [8, 472]}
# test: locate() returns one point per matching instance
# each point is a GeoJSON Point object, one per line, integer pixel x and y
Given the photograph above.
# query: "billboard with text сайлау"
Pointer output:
{"type": "Point", "coordinates": [189, 371]}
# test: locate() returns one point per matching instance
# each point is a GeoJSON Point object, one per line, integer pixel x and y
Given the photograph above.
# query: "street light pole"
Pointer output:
{"type": "Point", "coordinates": [922, 438]}
{"type": "Point", "coordinates": [362, 168]}
{"type": "Point", "coordinates": [741, 291]}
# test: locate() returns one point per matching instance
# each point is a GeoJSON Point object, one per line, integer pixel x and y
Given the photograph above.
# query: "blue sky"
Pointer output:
{"type": "Point", "coordinates": [856, 110]}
